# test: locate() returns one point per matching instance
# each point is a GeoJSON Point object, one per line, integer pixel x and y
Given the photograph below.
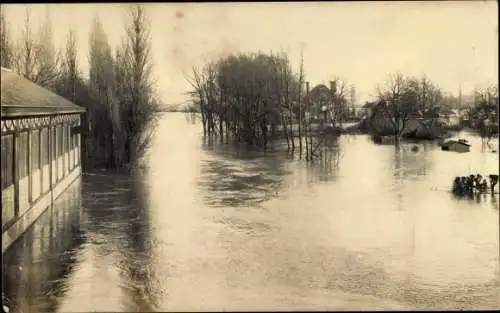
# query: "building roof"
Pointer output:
{"type": "Point", "coordinates": [318, 93]}
{"type": "Point", "coordinates": [21, 97]}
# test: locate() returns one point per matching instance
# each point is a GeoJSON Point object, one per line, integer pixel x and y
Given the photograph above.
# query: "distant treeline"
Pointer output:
{"type": "Point", "coordinates": [246, 96]}
{"type": "Point", "coordinates": [258, 97]}
{"type": "Point", "coordinates": [178, 108]}
{"type": "Point", "coordinates": [118, 92]}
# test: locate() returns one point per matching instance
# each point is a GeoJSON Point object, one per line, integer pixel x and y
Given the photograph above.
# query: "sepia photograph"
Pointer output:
{"type": "Point", "coordinates": [250, 156]}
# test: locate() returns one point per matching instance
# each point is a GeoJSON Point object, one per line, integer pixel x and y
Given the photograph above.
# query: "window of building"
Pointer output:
{"type": "Point", "coordinates": [59, 141]}
{"type": "Point", "coordinates": [35, 150]}
{"type": "Point", "coordinates": [68, 147]}
{"type": "Point", "coordinates": [73, 140]}
{"type": "Point", "coordinates": [64, 150]}
{"type": "Point", "coordinates": [54, 142]}
{"type": "Point", "coordinates": [71, 151]}
{"type": "Point", "coordinates": [23, 155]}
{"type": "Point", "coordinates": [7, 161]}
{"type": "Point", "coordinates": [54, 153]}
{"type": "Point", "coordinates": [78, 149]}
{"type": "Point", "coordinates": [44, 146]}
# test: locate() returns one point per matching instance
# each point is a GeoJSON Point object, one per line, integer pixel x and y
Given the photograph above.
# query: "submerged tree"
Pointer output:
{"type": "Point", "coordinates": [394, 104]}
{"type": "Point", "coordinates": [249, 97]}
{"type": "Point", "coordinates": [72, 86]}
{"type": "Point", "coordinates": [241, 96]}
{"type": "Point", "coordinates": [485, 113]}
{"type": "Point", "coordinates": [103, 117]}
{"type": "Point", "coordinates": [118, 93]}
{"type": "Point", "coordinates": [135, 86]}
{"type": "Point", "coordinates": [339, 105]}
{"type": "Point", "coordinates": [404, 98]}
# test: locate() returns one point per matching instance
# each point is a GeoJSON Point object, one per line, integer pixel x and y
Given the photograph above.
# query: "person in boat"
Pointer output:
{"type": "Point", "coordinates": [493, 181]}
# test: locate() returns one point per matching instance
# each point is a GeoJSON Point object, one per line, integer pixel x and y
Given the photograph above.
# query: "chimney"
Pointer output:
{"type": "Point", "coordinates": [307, 88]}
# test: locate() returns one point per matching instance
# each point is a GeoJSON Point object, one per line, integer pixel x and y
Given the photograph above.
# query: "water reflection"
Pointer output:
{"type": "Point", "coordinates": [410, 164]}
{"type": "Point", "coordinates": [37, 266]}
{"type": "Point", "coordinates": [324, 167]}
{"type": "Point", "coordinates": [235, 175]}
{"type": "Point", "coordinates": [123, 219]}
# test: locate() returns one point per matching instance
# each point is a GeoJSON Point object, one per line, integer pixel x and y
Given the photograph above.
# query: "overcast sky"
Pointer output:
{"type": "Point", "coordinates": [452, 43]}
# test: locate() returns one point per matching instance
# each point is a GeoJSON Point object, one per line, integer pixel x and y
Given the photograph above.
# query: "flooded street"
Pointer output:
{"type": "Point", "coordinates": [204, 226]}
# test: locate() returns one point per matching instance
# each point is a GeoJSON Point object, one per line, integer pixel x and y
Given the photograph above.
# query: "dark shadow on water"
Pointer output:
{"type": "Point", "coordinates": [37, 266]}
{"type": "Point", "coordinates": [478, 198]}
{"type": "Point", "coordinates": [117, 206]}
{"type": "Point", "coordinates": [241, 175]}
{"type": "Point", "coordinates": [238, 175]}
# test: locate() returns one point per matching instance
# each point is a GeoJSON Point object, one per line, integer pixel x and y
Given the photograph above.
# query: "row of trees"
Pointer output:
{"type": "Point", "coordinates": [258, 97]}
{"type": "Point", "coordinates": [250, 96]}
{"type": "Point", "coordinates": [484, 115]}
{"type": "Point", "coordinates": [402, 99]}
{"type": "Point", "coordinates": [118, 92]}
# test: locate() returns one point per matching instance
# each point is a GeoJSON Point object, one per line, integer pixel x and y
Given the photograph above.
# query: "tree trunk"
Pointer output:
{"type": "Point", "coordinates": [300, 129]}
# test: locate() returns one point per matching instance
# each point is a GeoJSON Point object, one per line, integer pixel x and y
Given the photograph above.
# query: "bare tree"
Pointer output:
{"type": "Point", "coordinates": [286, 72]}
{"type": "Point", "coordinates": [485, 113]}
{"type": "Point", "coordinates": [429, 98]}
{"type": "Point", "coordinates": [397, 102]}
{"type": "Point", "coordinates": [338, 101]}
{"type": "Point", "coordinates": [103, 114]}
{"type": "Point", "coordinates": [6, 47]}
{"type": "Point", "coordinates": [352, 100]}
{"type": "Point", "coordinates": [36, 58]}
{"type": "Point", "coordinates": [46, 61]}
{"type": "Point", "coordinates": [300, 97]}
{"type": "Point", "coordinates": [244, 95]}
{"type": "Point", "coordinates": [197, 94]}
{"type": "Point", "coordinates": [71, 85]}
{"type": "Point", "coordinates": [69, 72]}
{"type": "Point", "coordinates": [25, 60]}
{"type": "Point", "coordinates": [138, 111]}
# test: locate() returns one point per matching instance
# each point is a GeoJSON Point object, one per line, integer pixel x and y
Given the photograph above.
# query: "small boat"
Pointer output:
{"type": "Point", "coordinates": [460, 145]}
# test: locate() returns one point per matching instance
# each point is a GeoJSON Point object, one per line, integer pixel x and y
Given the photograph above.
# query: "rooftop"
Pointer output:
{"type": "Point", "coordinates": [21, 97]}
{"type": "Point", "coordinates": [318, 93]}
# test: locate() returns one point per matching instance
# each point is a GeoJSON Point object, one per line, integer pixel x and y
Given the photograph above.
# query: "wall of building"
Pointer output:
{"type": "Point", "coordinates": [40, 158]}
{"type": "Point", "coordinates": [8, 209]}
{"type": "Point", "coordinates": [55, 232]}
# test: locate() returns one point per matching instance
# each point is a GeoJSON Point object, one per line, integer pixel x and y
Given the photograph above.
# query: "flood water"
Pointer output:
{"type": "Point", "coordinates": [204, 226]}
